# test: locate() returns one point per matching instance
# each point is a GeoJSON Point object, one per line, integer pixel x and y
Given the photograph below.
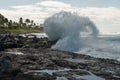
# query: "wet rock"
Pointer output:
{"type": "Point", "coordinates": [15, 72]}
{"type": "Point", "coordinates": [64, 63]}
{"type": "Point", "coordinates": [18, 41]}
{"type": "Point", "coordinates": [5, 64]}
{"type": "Point", "coordinates": [22, 76]}
{"type": "Point", "coordinates": [107, 76]}
{"type": "Point", "coordinates": [42, 76]}
{"type": "Point", "coordinates": [70, 73]}
{"type": "Point", "coordinates": [10, 41]}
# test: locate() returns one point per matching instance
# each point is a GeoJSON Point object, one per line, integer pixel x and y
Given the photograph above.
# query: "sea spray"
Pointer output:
{"type": "Point", "coordinates": [68, 28]}
{"type": "Point", "coordinates": [79, 34]}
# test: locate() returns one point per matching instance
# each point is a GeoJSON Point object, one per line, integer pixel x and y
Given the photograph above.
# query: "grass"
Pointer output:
{"type": "Point", "coordinates": [22, 30]}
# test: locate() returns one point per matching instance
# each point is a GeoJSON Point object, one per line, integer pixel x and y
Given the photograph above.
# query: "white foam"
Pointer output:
{"type": "Point", "coordinates": [87, 77]}
{"type": "Point", "coordinates": [32, 35]}
{"type": "Point", "coordinates": [50, 71]}
{"type": "Point", "coordinates": [61, 78]}
{"type": "Point", "coordinates": [16, 53]}
{"type": "Point", "coordinates": [40, 35]}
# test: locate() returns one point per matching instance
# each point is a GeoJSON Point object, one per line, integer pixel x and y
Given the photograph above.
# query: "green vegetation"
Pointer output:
{"type": "Point", "coordinates": [23, 26]}
{"type": "Point", "coordinates": [24, 30]}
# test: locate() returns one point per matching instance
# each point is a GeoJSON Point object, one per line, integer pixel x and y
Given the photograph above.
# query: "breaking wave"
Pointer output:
{"type": "Point", "coordinates": [68, 29]}
{"type": "Point", "coordinates": [79, 34]}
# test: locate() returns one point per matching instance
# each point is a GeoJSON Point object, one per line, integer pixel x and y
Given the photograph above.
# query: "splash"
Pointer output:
{"type": "Point", "coordinates": [68, 29]}
{"type": "Point", "coordinates": [79, 34]}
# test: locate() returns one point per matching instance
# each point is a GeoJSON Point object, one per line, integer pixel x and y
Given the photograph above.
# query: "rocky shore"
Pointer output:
{"type": "Point", "coordinates": [24, 58]}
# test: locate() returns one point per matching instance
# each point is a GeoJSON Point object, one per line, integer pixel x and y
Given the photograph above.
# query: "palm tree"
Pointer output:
{"type": "Point", "coordinates": [2, 20]}
{"type": "Point", "coordinates": [21, 21]}
{"type": "Point", "coordinates": [10, 24]}
{"type": "Point", "coordinates": [27, 21]}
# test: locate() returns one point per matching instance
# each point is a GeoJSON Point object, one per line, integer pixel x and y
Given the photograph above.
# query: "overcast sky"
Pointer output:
{"type": "Point", "coordinates": [104, 13]}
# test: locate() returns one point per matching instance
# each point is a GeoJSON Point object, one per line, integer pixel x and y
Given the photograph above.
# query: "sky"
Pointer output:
{"type": "Point", "coordinates": [104, 13]}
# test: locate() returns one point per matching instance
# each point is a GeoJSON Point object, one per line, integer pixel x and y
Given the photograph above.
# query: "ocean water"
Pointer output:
{"type": "Point", "coordinates": [91, 76]}
{"type": "Point", "coordinates": [105, 46]}
{"type": "Point", "coordinates": [79, 34]}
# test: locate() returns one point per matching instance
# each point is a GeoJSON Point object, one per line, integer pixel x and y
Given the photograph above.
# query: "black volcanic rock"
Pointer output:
{"type": "Point", "coordinates": [10, 40]}
{"type": "Point", "coordinates": [22, 76]}
{"type": "Point", "coordinates": [40, 62]}
{"type": "Point", "coordinates": [5, 64]}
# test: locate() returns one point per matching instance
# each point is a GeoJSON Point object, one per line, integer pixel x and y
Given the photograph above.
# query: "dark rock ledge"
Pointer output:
{"type": "Point", "coordinates": [24, 58]}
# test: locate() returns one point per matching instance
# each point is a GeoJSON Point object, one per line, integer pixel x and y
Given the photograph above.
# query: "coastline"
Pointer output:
{"type": "Point", "coordinates": [30, 54]}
